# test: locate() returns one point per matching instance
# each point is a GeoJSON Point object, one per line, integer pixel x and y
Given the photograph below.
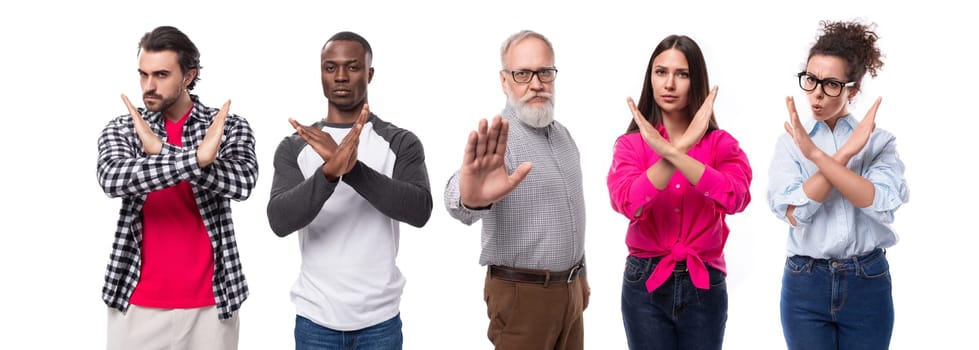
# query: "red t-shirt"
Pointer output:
{"type": "Point", "coordinates": [177, 261]}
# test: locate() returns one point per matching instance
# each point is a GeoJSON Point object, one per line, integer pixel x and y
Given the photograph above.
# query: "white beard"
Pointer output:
{"type": "Point", "coordinates": [535, 117]}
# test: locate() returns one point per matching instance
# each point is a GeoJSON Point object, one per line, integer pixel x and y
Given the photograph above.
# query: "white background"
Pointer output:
{"type": "Point", "coordinates": [65, 64]}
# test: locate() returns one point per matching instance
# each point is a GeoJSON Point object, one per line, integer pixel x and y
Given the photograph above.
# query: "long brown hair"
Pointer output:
{"type": "Point", "coordinates": [699, 82]}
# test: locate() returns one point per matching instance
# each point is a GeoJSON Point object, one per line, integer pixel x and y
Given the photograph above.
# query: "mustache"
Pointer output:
{"type": "Point", "coordinates": [152, 94]}
{"type": "Point", "coordinates": [529, 96]}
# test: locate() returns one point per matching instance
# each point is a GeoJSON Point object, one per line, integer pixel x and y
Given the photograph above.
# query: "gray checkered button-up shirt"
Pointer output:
{"type": "Point", "coordinates": [541, 224]}
{"type": "Point", "coordinates": [125, 171]}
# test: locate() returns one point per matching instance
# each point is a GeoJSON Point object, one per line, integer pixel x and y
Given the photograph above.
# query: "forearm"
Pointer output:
{"type": "Point", "coordinates": [234, 172]}
{"type": "Point", "coordinates": [660, 173]}
{"type": "Point", "coordinates": [294, 202]}
{"type": "Point", "coordinates": [453, 203]}
{"type": "Point", "coordinates": [691, 168]}
{"type": "Point", "coordinates": [232, 178]}
{"type": "Point", "coordinates": [122, 170]}
{"type": "Point", "coordinates": [407, 199]}
{"type": "Point", "coordinates": [631, 181]}
{"type": "Point", "coordinates": [817, 187]}
{"type": "Point", "coordinates": [855, 188]}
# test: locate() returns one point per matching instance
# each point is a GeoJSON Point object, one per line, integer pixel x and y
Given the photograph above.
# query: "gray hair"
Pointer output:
{"type": "Point", "coordinates": [516, 38]}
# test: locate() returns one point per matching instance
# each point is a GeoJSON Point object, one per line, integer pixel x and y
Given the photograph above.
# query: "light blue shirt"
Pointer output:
{"type": "Point", "coordinates": [835, 228]}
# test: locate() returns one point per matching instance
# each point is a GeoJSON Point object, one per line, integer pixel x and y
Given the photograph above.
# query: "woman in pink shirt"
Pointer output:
{"type": "Point", "coordinates": [675, 175]}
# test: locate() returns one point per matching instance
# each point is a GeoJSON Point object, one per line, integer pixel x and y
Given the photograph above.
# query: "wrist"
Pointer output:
{"type": "Point", "coordinates": [329, 175]}
{"type": "Point", "coordinates": [819, 156]}
{"type": "Point", "coordinates": [672, 152]}
{"type": "Point", "coordinates": [843, 156]}
{"type": "Point", "coordinates": [475, 207]}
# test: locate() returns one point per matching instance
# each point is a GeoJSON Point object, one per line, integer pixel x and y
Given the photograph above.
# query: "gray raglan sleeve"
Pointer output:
{"type": "Point", "coordinates": [407, 195]}
{"type": "Point", "coordinates": [295, 200]}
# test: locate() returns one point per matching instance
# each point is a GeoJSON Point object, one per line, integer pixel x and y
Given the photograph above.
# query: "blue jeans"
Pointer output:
{"type": "Point", "coordinates": [676, 315]}
{"type": "Point", "coordinates": [837, 304]}
{"type": "Point", "coordinates": [382, 336]}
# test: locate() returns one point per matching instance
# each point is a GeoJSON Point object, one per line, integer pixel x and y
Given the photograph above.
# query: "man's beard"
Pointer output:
{"type": "Point", "coordinates": [533, 116]}
{"type": "Point", "coordinates": [162, 104]}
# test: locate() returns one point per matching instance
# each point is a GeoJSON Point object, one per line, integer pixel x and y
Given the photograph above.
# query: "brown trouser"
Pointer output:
{"type": "Point", "coordinates": [535, 316]}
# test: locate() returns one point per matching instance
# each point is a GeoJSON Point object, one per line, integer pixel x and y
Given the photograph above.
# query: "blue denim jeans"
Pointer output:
{"type": "Point", "coordinates": [675, 316]}
{"type": "Point", "coordinates": [837, 304]}
{"type": "Point", "coordinates": [382, 336]}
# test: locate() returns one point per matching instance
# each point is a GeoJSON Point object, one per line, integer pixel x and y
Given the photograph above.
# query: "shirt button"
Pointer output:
{"type": "Point", "coordinates": [678, 186]}
{"type": "Point", "coordinates": [706, 193]}
{"type": "Point", "coordinates": [676, 210]}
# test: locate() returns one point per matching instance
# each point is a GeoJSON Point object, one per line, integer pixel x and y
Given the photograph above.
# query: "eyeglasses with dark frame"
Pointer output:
{"type": "Point", "coordinates": [523, 76]}
{"type": "Point", "coordinates": [831, 88]}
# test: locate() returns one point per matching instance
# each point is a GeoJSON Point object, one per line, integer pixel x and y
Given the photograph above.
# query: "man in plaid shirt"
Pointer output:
{"type": "Point", "coordinates": [174, 278]}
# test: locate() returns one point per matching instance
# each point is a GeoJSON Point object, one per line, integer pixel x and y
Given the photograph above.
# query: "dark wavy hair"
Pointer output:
{"type": "Point", "coordinates": [854, 42]}
{"type": "Point", "coordinates": [166, 38]}
{"type": "Point", "coordinates": [699, 82]}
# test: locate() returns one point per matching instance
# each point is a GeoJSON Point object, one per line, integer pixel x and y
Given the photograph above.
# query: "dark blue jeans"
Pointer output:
{"type": "Point", "coordinates": [837, 304]}
{"type": "Point", "coordinates": [382, 336]}
{"type": "Point", "coordinates": [675, 316]}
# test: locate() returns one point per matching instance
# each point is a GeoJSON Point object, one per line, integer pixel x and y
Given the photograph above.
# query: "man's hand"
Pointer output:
{"type": "Point", "coordinates": [483, 178]}
{"type": "Point", "coordinates": [207, 151]}
{"type": "Point", "coordinates": [346, 155]}
{"type": "Point", "coordinates": [152, 144]}
{"type": "Point", "coordinates": [586, 291]}
{"type": "Point", "coordinates": [338, 160]}
{"type": "Point", "coordinates": [320, 141]}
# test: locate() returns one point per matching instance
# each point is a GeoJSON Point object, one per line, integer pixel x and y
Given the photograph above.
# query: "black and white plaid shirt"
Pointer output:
{"type": "Point", "coordinates": [124, 170]}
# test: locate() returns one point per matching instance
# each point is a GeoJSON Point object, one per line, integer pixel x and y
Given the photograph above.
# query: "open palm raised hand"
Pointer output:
{"type": "Point", "coordinates": [152, 144]}
{"type": "Point", "coordinates": [483, 178]}
{"type": "Point", "coordinates": [861, 134]}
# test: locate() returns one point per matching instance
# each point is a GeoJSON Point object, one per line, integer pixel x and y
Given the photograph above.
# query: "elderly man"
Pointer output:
{"type": "Point", "coordinates": [533, 230]}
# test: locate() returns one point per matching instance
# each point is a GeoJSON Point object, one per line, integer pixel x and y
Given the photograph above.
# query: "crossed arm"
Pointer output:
{"type": "Point", "coordinates": [833, 173]}
{"type": "Point", "coordinates": [295, 200]}
{"type": "Point", "coordinates": [133, 160]}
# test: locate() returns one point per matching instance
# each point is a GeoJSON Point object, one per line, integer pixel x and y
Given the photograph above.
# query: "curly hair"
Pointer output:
{"type": "Point", "coordinates": [854, 42]}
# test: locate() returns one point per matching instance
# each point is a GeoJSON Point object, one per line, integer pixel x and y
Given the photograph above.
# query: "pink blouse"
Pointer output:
{"type": "Point", "coordinates": [682, 222]}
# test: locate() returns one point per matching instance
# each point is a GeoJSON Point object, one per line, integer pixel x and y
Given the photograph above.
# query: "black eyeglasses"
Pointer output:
{"type": "Point", "coordinates": [831, 88]}
{"type": "Point", "coordinates": [546, 75]}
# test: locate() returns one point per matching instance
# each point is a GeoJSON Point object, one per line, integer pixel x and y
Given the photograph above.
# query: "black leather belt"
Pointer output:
{"type": "Point", "coordinates": [534, 276]}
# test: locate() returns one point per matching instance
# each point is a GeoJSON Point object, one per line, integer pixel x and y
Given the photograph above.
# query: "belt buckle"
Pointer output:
{"type": "Point", "coordinates": [574, 271]}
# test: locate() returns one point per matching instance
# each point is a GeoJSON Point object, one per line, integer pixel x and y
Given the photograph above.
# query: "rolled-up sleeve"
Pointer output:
{"type": "Point", "coordinates": [886, 172]}
{"type": "Point", "coordinates": [786, 176]}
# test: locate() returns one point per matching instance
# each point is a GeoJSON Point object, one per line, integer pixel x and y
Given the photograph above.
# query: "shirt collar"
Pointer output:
{"type": "Point", "coordinates": [847, 120]}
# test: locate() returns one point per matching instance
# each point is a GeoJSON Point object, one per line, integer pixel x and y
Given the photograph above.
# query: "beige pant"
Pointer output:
{"type": "Point", "coordinates": [149, 328]}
